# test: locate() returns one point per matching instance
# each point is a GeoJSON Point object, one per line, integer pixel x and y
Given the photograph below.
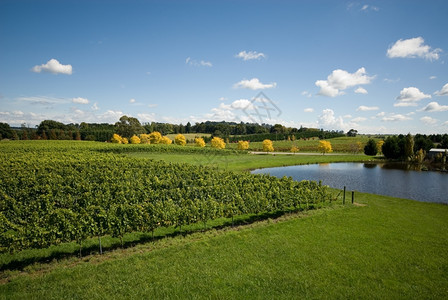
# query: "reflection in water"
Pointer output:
{"type": "Point", "coordinates": [370, 166]}
{"type": "Point", "coordinates": [392, 179]}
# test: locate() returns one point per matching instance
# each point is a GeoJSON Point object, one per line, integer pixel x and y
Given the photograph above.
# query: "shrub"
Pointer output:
{"type": "Point", "coordinates": [180, 140]}
{"type": "Point", "coordinates": [243, 145]}
{"type": "Point", "coordinates": [199, 142]}
{"type": "Point", "coordinates": [268, 146]}
{"type": "Point", "coordinates": [325, 147]}
{"type": "Point", "coordinates": [370, 148]}
{"type": "Point", "coordinates": [294, 149]}
{"type": "Point", "coordinates": [155, 137]}
{"type": "Point", "coordinates": [116, 139]}
{"type": "Point", "coordinates": [135, 140]}
{"type": "Point", "coordinates": [218, 143]}
{"type": "Point", "coordinates": [144, 138]}
{"type": "Point", "coordinates": [166, 140]}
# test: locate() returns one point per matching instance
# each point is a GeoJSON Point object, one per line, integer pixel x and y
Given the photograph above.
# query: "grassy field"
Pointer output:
{"type": "Point", "coordinates": [388, 249]}
{"type": "Point", "coordinates": [381, 247]}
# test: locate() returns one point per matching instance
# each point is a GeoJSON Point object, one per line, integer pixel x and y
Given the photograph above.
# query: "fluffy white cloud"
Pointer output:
{"type": "Point", "coordinates": [250, 55]}
{"type": "Point", "coordinates": [196, 63]}
{"type": "Point", "coordinates": [367, 108]}
{"type": "Point", "coordinates": [309, 110]}
{"type": "Point", "coordinates": [340, 80]}
{"type": "Point", "coordinates": [394, 117]}
{"type": "Point", "coordinates": [413, 48]}
{"type": "Point", "coordinates": [432, 77]}
{"type": "Point", "coordinates": [434, 106]}
{"type": "Point", "coordinates": [367, 7]}
{"type": "Point", "coordinates": [328, 120]}
{"type": "Point", "coordinates": [254, 84]}
{"type": "Point", "coordinates": [443, 91]}
{"type": "Point", "coordinates": [428, 120]}
{"type": "Point", "coordinates": [132, 100]}
{"type": "Point", "coordinates": [242, 104]}
{"type": "Point", "coordinates": [306, 94]}
{"type": "Point", "coordinates": [80, 100]}
{"type": "Point", "coordinates": [53, 66]}
{"type": "Point", "coordinates": [361, 90]}
{"type": "Point", "coordinates": [410, 96]}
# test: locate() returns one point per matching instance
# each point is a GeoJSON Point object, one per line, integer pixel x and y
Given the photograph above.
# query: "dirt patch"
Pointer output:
{"type": "Point", "coordinates": [359, 204]}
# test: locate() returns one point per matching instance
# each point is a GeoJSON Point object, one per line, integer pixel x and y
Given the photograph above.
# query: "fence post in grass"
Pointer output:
{"type": "Point", "coordinates": [353, 197]}
{"type": "Point", "coordinates": [343, 198]}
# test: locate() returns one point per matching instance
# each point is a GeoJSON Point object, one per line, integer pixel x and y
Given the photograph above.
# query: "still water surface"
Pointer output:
{"type": "Point", "coordinates": [382, 179]}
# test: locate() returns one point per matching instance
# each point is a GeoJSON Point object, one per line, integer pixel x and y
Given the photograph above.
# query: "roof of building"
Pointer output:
{"type": "Point", "coordinates": [438, 150]}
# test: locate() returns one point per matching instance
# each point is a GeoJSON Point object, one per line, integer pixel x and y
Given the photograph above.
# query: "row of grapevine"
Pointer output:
{"type": "Point", "coordinates": [53, 193]}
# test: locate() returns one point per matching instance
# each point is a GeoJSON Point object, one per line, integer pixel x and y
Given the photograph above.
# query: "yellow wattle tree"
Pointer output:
{"type": "Point", "coordinates": [144, 138]}
{"type": "Point", "coordinates": [243, 145]}
{"type": "Point", "coordinates": [124, 140]}
{"type": "Point", "coordinates": [218, 143]}
{"type": "Point", "coordinates": [155, 137]}
{"type": "Point", "coordinates": [268, 146]}
{"type": "Point", "coordinates": [199, 142]}
{"type": "Point", "coordinates": [135, 140]}
{"type": "Point", "coordinates": [165, 140]}
{"type": "Point", "coordinates": [116, 139]}
{"type": "Point", "coordinates": [180, 140]}
{"type": "Point", "coordinates": [324, 147]}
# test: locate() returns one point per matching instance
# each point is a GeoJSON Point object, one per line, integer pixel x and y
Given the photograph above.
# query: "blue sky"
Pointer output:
{"type": "Point", "coordinates": [375, 66]}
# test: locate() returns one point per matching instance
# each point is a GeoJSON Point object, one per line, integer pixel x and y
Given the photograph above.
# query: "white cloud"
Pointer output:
{"type": "Point", "coordinates": [434, 106]}
{"type": "Point", "coordinates": [367, 108]}
{"type": "Point", "coordinates": [43, 100]}
{"type": "Point", "coordinates": [359, 119]}
{"type": "Point", "coordinates": [443, 91]}
{"type": "Point", "coordinates": [254, 84]}
{"type": "Point", "coordinates": [413, 48]}
{"type": "Point", "coordinates": [145, 117]}
{"type": "Point", "coordinates": [80, 100]}
{"type": "Point", "coordinates": [242, 104]}
{"type": "Point", "coordinates": [195, 63]}
{"type": "Point", "coordinates": [222, 99]}
{"type": "Point", "coordinates": [152, 105]}
{"type": "Point", "coordinates": [309, 110]}
{"type": "Point", "coordinates": [95, 106]}
{"type": "Point", "coordinates": [306, 94]}
{"type": "Point", "coordinates": [369, 7]}
{"type": "Point", "coordinates": [328, 120]}
{"type": "Point", "coordinates": [428, 120]}
{"type": "Point", "coordinates": [251, 55]}
{"type": "Point", "coordinates": [410, 96]}
{"type": "Point", "coordinates": [361, 90]}
{"type": "Point", "coordinates": [432, 77]}
{"type": "Point", "coordinates": [395, 118]}
{"type": "Point", "coordinates": [132, 100]}
{"type": "Point", "coordinates": [53, 66]}
{"type": "Point", "coordinates": [445, 123]}
{"type": "Point", "coordinates": [340, 80]}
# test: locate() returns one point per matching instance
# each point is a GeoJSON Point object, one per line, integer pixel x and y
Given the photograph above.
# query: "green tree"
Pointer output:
{"type": "Point", "coordinates": [370, 148]}
{"type": "Point", "coordinates": [409, 147]}
{"type": "Point", "coordinates": [5, 131]}
{"type": "Point", "coordinates": [129, 126]}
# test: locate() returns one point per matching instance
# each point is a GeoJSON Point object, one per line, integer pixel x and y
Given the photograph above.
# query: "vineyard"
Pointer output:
{"type": "Point", "coordinates": [62, 191]}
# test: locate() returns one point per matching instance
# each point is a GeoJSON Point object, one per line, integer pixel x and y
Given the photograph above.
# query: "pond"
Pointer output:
{"type": "Point", "coordinates": [397, 180]}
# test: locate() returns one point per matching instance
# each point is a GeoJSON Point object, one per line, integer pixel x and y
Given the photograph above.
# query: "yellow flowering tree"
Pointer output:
{"type": "Point", "coordinates": [180, 140]}
{"type": "Point", "coordinates": [124, 140]}
{"type": "Point", "coordinates": [165, 140]}
{"type": "Point", "coordinates": [324, 147]}
{"type": "Point", "coordinates": [199, 142]}
{"type": "Point", "coordinates": [379, 145]}
{"type": "Point", "coordinates": [144, 138]}
{"type": "Point", "coordinates": [218, 143]}
{"type": "Point", "coordinates": [243, 145]}
{"type": "Point", "coordinates": [134, 140]}
{"type": "Point", "coordinates": [294, 149]}
{"type": "Point", "coordinates": [155, 137]}
{"type": "Point", "coordinates": [268, 146]}
{"type": "Point", "coordinates": [116, 139]}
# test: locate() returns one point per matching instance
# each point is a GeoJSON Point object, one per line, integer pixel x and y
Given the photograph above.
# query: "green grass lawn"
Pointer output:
{"type": "Point", "coordinates": [390, 248]}
{"type": "Point", "coordinates": [242, 162]}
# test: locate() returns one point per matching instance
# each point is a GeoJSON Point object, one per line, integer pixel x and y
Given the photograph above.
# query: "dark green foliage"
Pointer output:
{"type": "Point", "coordinates": [5, 131]}
{"type": "Point", "coordinates": [423, 142]}
{"type": "Point", "coordinates": [352, 132]}
{"type": "Point", "coordinates": [129, 126]}
{"type": "Point", "coordinates": [370, 148]}
{"type": "Point", "coordinates": [393, 148]}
